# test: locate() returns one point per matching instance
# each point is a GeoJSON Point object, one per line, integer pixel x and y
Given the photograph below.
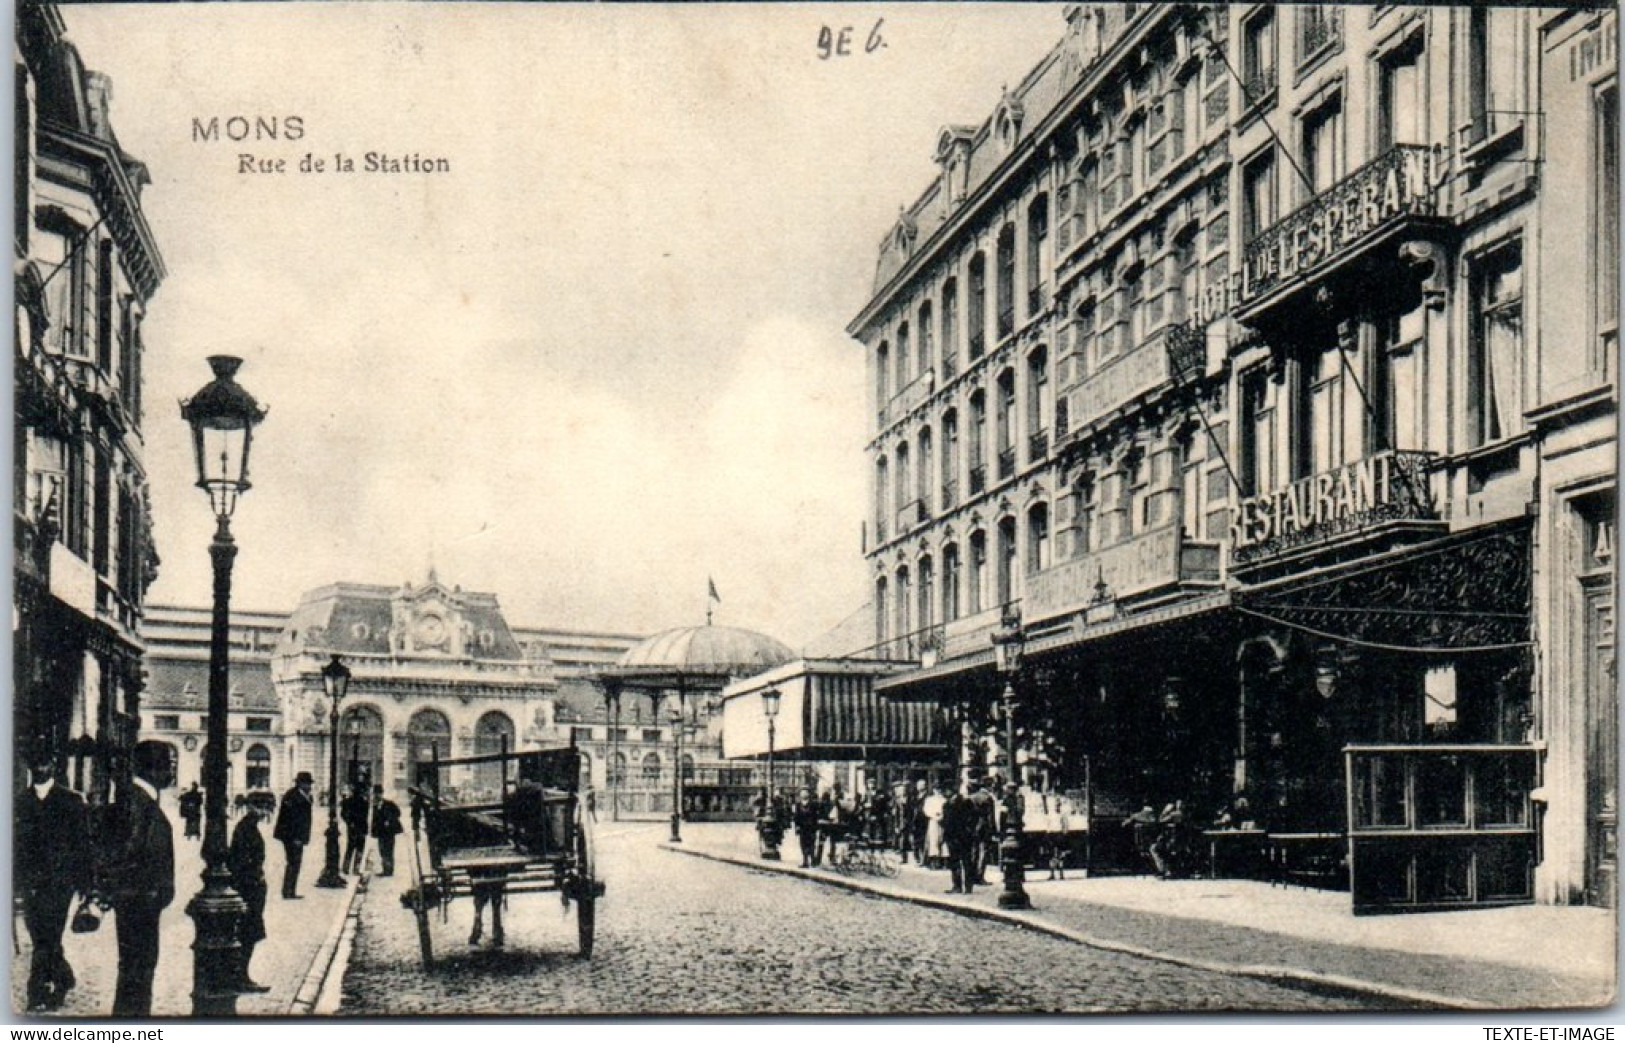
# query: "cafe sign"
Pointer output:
{"type": "Point", "coordinates": [1390, 486]}
{"type": "Point", "coordinates": [1403, 181]}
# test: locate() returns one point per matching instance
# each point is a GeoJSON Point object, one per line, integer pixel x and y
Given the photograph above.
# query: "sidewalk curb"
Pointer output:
{"type": "Point", "coordinates": [318, 993]}
{"type": "Point", "coordinates": [1265, 972]}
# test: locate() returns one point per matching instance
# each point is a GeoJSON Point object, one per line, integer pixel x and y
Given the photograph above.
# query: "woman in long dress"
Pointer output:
{"type": "Point", "coordinates": [931, 807]}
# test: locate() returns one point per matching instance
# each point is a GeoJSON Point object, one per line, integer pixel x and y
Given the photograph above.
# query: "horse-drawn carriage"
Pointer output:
{"type": "Point", "coordinates": [529, 831]}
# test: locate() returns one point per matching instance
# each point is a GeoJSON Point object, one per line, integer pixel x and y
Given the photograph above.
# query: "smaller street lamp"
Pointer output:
{"type": "Point", "coordinates": [1008, 643]}
{"type": "Point", "coordinates": [336, 682]}
{"type": "Point", "coordinates": [769, 828]}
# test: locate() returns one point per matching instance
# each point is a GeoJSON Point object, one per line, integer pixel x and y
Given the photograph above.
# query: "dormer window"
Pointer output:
{"type": "Point", "coordinates": [1007, 122]}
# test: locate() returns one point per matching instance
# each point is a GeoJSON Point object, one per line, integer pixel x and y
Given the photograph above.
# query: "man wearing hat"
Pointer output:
{"type": "Point", "coordinates": [293, 830]}
{"type": "Point", "coordinates": [386, 826]}
{"type": "Point", "coordinates": [138, 876]}
{"type": "Point", "coordinates": [52, 861]}
{"type": "Point", "coordinates": [246, 858]}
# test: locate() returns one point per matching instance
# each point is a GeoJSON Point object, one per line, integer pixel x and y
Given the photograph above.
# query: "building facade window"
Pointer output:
{"type": "Point", "coordinates": [882, 616]}
{"type": "Point", "coordinates": [926, 334]}
{"type": "Point", "coordinates": [922, 487]}
{"type": "Point", "coordinates": [901, 605]}
{"type": "Point", "coordinates": [1257, 433]}
{"type": "Point", "coordinates": [1495, 346]}
{"type": "Point", "coordinates": [1401, 106]}
{"type": "Point", "coordinates": [882, 375]}
{"type": "Point", "coordinates": [651, 768]}
{"type": "Point", "coordinates": [882, 490]}
{"type": "Point", "coordinates": [950, 327]}
{"type": "Point", "coordinates": [950, 458]}
{"type": "Point", "coordinates": [1319, 29]}
{"type": "Point", "coordinates": [905, 481]}
{"type": "Point", "coordinates": [1323, 159]}
{"type": "Point", "coordinates": [257, 724]}
{"type": "Point", "coordinates": [1038, 553]}
{"type": "Point", "coordinates": [1397, 397]}
{"type": "Point", "coordinates": [1605, 222]}
{"type": "Point", "coordinates": [976, 305]}
{"type": "Point", "coordinates": [1037, 236]}
{"type": "Point", "coordinates": [1038, 394]}
{"type": "Point", "coordinates": [259, 767]}
{"type": "Point", "coordinates": [978, 441]}
{"type": "Point", "coordinates": [1006, 579]}
{"type": "Point", "coordinates": [1495, 72]}
{"type": "Point", "coordinates": [1257, 194]}
{"type": "Point", "coordinates": [1323, 374]}
{"type": "Point", "coordinates": [104, 306]}
{"type": "Point", "coordinates": [1083, 516]}
{"type": "Point", "coordinates": [950, 582]}
{"type": "Point", "coordinates": [927, 607]}
{"type": "Point", "coordinates": [1005, 285]}
{"type": "Point", "coordinates": [977, 589]}
{"type": "Point", "coordinates": [1005, 423]}
{"type": "Point", "coordinates": [903, 360]}
{"type": "Point", "coordinates": [166, 722]}
{"type": "Point", "coordinates": [1258, 55]}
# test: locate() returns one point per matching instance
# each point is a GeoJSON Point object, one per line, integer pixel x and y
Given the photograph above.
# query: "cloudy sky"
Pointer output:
{"type": "Point", "coordinates": [600, 359]}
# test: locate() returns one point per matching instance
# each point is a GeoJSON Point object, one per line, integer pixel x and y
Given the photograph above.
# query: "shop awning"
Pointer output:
{"type": "Point", "coordinates": [828, 710]}
{"type": "Point", "coordinates": [933, 683]}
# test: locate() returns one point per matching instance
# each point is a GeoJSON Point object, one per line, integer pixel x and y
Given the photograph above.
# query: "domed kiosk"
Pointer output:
{"type": "Point", "coordinates": [668, 668]}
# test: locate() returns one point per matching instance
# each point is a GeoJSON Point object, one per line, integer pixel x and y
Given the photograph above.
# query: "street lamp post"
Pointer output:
{"type": "Point", "coordinates": [222, 416]}
{"type": "Point", "coordinates": [676, 716]}
{"type": "Point", "coordinates": [336, 681]}
{"type": "Point", "coordinates": [1007, 649]}
{"type": "Point", "coordinates": [769, 828]}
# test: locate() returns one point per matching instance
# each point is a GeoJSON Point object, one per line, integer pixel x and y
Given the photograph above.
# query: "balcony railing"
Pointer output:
{"type": "Point", "coordinates": [1035, 299]}
{"type": "Point", "coordinates": [1258, 86]}
{"type": "Point", "coordinates": [1007, 463]}
{"type": "Point", "coordinates": [1150, 561]}
{"type": "Point", "coordinates": [910, 515]}
{"type": "Point", "coordinates": [880, 533]}
{"type": "Point", "coordinates": [1007, 320]}
{"type": "Point", "coordinates": [1401, 183]}
{"type": "Point", "coordinates": [950, 494]}
{"type": "Point", "coordinates": [978, 342]}
{"type": "Point", "coordinates": [1320, 27]}
{"type": "Point", "coordinates": [1037, 446]}
{"type": "Point", "coordinates": [950, 365]}
{"type": "Point", "coordinates": [978, 480]}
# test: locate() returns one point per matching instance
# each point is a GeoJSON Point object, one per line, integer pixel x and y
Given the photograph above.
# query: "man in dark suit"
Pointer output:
{"type": "Point", "coordinates": [293, 830]}
{"type": "Point", "coordinates": [355, 812]}
{"type": "Point", "coordinates": [960, 835]}
{"type": "Point", "coordinates": [52, 860]}
{"type": "Point", "coordinates": [386, 826]}
{"type": "Point", "coordinates": [986, 834]}
{"type": "Point", "coordinates": [138, 876]}
{"type": "Point", "coordinates": [246, 857]}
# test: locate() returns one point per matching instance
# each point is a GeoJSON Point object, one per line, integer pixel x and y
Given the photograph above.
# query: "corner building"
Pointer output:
{"type": "Point", "coordinates": [85, 266]}
{"type": "Point", "coordinates": [1206, 354]}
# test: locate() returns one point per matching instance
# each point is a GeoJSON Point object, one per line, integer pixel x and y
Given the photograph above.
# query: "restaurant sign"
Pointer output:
{"type": "Point", "coordinates": [1389, 486]}
{"type": "Point", "coordinates": [1403, 181]}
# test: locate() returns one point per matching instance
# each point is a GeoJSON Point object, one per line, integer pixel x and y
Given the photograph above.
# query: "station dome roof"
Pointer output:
{"type": "Point", "coordinates": [704, 654]}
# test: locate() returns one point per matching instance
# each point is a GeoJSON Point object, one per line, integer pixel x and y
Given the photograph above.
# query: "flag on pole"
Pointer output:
{"type": "Point", "coordinates": [711, 588]}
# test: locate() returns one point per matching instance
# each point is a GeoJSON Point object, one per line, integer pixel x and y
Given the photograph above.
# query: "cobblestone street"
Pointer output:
{"type": "Point", "coordinates": [679, 934]}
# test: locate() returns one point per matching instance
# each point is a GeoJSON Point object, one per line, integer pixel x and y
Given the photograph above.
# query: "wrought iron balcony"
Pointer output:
{"type": "Point", "coordinates": [880, 533]}
{"type": "Point", "coordinates": [910, 515]}
{"type": "Point", "coordinates": [1259, 86]}
{"type": "Point", "coordinates": [950, 494]}
{"type": "Point", "coordinates": [1320, 27]}
{"type": "Point", "coordinates": [1007, 320]}
{"type": "Point", "coordinates": [950, 365]}
{"type": "Point", "coordinates": [978, 341]}
{"type": "Point", "coordinates": [1007, 463]}
{"type": "Point", "coordinates": [1400, 184]}
{"type": "Point", "coordinates": [978, 480]}
{"type": "Point", "coordinates": [1037, 446]}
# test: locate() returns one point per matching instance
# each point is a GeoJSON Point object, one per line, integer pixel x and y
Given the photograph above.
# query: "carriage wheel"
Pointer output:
{"type": "Point", "coordinates": [420, 910]}
{"type": "Point", "coordinates": [586, 912]}
{"type": "Point", "coordinates": [587, 884]}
